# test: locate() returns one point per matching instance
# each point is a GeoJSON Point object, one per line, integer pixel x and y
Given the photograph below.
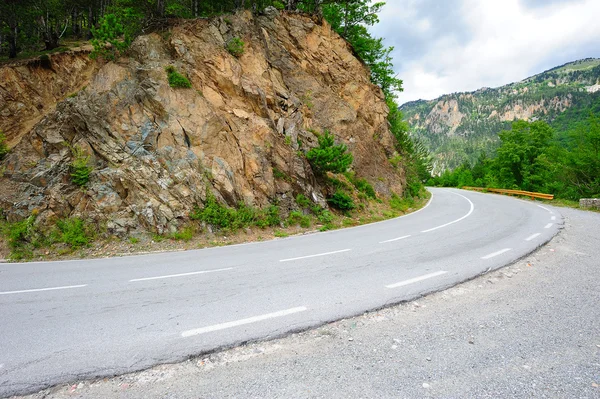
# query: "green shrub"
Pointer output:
{"type": "Point", "coordinates": [278, 5]}
{"type": "Point", "coordinates": [22, 236]}
{"type": "Point", "coordinates": [325, 217]}
{"type": "Point", "coordinates": [361, 185]}
{"type": "Point", "coordinates": [339, 184]}
{"type": "Point", "coordinates": [341, 201]}
{"type": "Point", "coordinates": [74, 232]}
{"type": "Point", "coordinates": [113, 35]}
{"type": "Point", "coordinates": [280, 234]}
{"type": "Point", "coordinates": [176, 79]}
{"type": "Point", "coordinates": [243, 216]}
{"type": "Point", "coordinates": [20, 233]}
{"type": "Point", "coordinates": [269, 217]}
{"type": "Point", "coordinates": [221, 216]}
{"type": "Point", "coordinates": [213, 213]}
{"type": "Point", "coordinates": [329, 157]}
{"type": "Point", "coordinates": [3, 146]}
{"type": "Point", "coordinates": [298, 218]}
{"type": "Point", "coordinates": [235, 46]}
{"type": "Point", "coordinates": [80, 169]}
{"type": "Point", "coordinates": [302, 201]}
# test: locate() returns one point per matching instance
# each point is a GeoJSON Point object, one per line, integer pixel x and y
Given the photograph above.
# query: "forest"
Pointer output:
{"type": "Point", "coordinates": [561, 158]}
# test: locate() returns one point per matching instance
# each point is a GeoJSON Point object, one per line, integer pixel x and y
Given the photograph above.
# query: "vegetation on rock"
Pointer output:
{"type": "Point", "coordinates": [220, 216]}
{"type": "Point", "coordinates": [235, 46]}
{"type": "Point", "coordinates": [328, 156]}
{"type": "Point", "coordinates": [342, 201]}
{"type": "Point", "coordinates": [3, 146]}
{"type": "Point", "coordinates": [177, 80]}
{"type": "Point", "coordinates": [80, 168]}
{"type": "Point", "coordinates": [25, 236]}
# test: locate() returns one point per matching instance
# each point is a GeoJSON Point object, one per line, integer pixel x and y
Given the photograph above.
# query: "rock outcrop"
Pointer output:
{"type": "Point", "coordinates": [158, 151]}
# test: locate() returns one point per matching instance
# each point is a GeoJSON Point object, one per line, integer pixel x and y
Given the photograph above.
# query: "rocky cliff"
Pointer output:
{"type": "Point", "coordinates": [158, 151]}
{"type": "Point", "coordinates": [457, 127]}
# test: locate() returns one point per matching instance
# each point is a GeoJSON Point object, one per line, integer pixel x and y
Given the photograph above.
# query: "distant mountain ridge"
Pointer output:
{"type": "Point", "coordinates": [459, 126]}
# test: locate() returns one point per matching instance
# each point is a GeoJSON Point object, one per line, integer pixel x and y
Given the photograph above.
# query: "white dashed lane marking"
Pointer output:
{"type": "Point", "coordinates": [494, 254]}
{"type": "Point", "coordinates": [242, 322]}
{"type": "Point", "coordinates": [416, 279]}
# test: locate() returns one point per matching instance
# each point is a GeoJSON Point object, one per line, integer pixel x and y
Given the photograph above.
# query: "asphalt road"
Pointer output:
{"type": "Point", "coordinates": [528, 330]}
{"type": "Point", "coordinates": [64, 321]}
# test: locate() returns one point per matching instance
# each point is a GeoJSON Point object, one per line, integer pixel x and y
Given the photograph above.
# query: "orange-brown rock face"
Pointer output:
{"type": "Point", "coordinates": [30, 90]}
{"type": "Point", "coordinates": [156, 150]}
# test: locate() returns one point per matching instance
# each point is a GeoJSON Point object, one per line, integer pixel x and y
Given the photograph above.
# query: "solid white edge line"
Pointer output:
{"type": "Point", "coordinates": [531, 237]}
{"type": "Point", "coordinates": [457, 220]}
{"type": "Point", "coordinates": [236, 323]}
{"type": "Point", "coordinates": [548, 225]}
{"type": "Point", "coordinates": [180, 275]}
{"type": "Point", "coordinates": [416, 279]}
{"type": "Point", "coordinates": [396, 239]}
{"type": "Point", "coordinates": [496, 253]}
{"type": "Point", "coordinates": [315, 255]}
{"type": "Point", "coordinates": [44, 289]}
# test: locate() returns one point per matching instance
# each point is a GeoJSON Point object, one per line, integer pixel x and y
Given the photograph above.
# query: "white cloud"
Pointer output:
{"type": "Point", "coordinates": [462, 45]}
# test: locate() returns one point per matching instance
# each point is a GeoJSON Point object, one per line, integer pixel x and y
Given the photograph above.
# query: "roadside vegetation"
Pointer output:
{"type": "Point", "coordinates": [535, 157]}
{"type": "Point", "coordinates": [177, 80]}
{"type": "Point", "coordinates": [26, 239]}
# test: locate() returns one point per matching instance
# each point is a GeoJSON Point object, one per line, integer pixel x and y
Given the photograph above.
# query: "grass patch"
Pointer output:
{"type": "Point", "coordinates": [401, 204]}
{"type": "Point", "coordinates": [281, 175]}
{"type": "Point", "coordinates": [177, 80]}
{"type": "Point", "coordinates": [342, 201]}
{"type": "Point", "coordinates": [235, 46]}
{"type": "Point", "coordinates": [280, 234]}
{"type": "Point", "coordinates": [185, 234]}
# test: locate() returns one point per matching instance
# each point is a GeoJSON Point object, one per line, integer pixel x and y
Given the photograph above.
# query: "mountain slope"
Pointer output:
{"type": "Point", "coordinates": [239, 134]}
{"type": "Point", "coordinates": [457, 127]}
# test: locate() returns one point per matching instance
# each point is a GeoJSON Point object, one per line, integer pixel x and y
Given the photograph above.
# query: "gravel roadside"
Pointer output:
{"type": "Point", "coordinates": [531, 329]}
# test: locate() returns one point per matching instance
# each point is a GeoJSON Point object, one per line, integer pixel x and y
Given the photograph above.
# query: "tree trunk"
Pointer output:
{"type": "Point", "coordinates": [12, 42]}
{"type": "Point", "coordinates": [90, 21]}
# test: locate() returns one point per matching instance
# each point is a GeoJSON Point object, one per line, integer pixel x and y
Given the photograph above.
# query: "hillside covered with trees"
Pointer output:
{"type": "Point", "coordinates": [458, 127]}
{"type": "Point", "coordinates": [562, 158]}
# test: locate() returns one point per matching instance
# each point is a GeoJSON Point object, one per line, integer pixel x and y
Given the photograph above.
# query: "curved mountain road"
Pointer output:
{"type": "Point", "coordinates": [62, 321]}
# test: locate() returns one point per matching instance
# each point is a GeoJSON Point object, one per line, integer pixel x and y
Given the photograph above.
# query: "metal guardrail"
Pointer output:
{"type": "Point", "coordinates": [512, 192]}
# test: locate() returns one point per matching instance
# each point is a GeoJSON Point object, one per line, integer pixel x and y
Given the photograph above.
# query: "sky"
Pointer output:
{"type": "Point", "coordinates": [446, 46]}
